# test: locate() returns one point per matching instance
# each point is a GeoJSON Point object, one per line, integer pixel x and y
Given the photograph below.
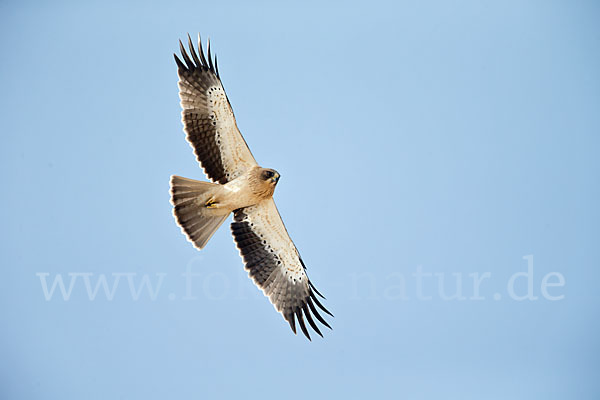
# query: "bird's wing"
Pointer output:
{"type": "Point", "coordinates": [274, 264]}
{"type": "Point", "coordinates": [208, 119]}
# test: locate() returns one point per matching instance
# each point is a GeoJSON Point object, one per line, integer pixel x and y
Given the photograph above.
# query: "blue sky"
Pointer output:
{"type": "Point", "coordinates": [421, 145]}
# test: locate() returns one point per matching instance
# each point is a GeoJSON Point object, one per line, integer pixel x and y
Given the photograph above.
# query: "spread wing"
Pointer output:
{"type": "Point", "coordinates": [208, 119]}
{"type": "Point", "coordinates": [274, 264]}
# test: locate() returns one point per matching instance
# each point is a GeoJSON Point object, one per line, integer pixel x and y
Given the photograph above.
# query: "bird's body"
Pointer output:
{"type": "Point", "coordinates": [240, 186]}
{"type": "Point", "coordinates": [244, 191]}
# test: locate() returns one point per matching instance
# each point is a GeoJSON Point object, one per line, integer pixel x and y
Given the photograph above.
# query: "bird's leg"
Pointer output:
{"type": "Point", "coordinates": [211, 203]}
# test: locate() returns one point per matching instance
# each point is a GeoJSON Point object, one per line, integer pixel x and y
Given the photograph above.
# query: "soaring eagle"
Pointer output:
{"type": "Point", "coordinates": [240, 186]}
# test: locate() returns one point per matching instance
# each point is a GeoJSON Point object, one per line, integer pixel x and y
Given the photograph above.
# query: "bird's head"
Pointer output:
{"type": "Point", "coordinates": [269, 176]}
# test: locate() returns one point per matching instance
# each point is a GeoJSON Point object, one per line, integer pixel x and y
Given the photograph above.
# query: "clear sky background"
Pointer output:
{"type": "Point", "coordinates": [450, 138]}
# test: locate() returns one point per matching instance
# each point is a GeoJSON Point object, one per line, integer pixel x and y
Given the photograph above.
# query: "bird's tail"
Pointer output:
{"type": "Point", "coordinates": [192, 209]}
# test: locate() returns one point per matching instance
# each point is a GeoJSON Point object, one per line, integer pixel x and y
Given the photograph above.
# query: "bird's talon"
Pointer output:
{"type": "Point", "coordinates": [210, 203]}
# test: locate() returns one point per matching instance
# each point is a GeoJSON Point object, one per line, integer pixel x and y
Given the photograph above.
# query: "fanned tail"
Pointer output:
{"type": "Point", "coordinates": [189, 198]}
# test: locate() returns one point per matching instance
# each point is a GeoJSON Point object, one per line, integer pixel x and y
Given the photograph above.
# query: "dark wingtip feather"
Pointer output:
{"type": "Point", "coordinates": [321, 306]}
{"type": "Point", "coordinates": [193, 52]}
{"type": "Point", "coordinates": [210, 62]}
{"type": "Point", "coordinates": [310, 320]}
{"type": "Point", "coordinates": [185, 56]}
{"type": "Point", "coordinates": [201, 51]}
{"type": "Point", "coordinates": [217, 67]}
{"type": "Point", "coordinates": [179, 63]}
{"type": "Point", "coordinates": [315, 289]}
{"type": "Point", "coordinates": [302, 325]}
{"type": "Point", "coordinates": [290, 319]}
{"type": "Point", "coordinates": [317, 315]}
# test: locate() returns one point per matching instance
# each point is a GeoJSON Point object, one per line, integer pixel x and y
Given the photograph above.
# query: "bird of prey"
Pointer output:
{"type": "Point", "coordinates": [239, 186]}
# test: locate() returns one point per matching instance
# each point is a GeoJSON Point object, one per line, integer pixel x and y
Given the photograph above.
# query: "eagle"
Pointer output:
{"type": "Point", "coordinates": [239, 186]}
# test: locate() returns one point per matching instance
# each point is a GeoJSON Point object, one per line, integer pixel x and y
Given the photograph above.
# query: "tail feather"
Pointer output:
{"type": "Point", "coordinates": [189, 198]}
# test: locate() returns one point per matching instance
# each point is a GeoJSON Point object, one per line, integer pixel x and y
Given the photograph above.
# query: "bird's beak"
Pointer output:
{"type": "Point", "coordinates": [275, 178]}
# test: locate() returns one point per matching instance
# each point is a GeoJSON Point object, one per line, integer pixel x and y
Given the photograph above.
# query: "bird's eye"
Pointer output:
{"type": "Point", "coordinates": [268, 174]}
